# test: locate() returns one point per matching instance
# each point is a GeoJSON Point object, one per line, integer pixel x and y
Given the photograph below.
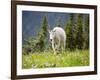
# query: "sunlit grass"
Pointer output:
{"type": "Point", "coordinates": [48, 59]}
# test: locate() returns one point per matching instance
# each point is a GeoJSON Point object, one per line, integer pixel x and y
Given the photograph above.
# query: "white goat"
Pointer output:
{"type": "Point", "coordinates": [58, 38]}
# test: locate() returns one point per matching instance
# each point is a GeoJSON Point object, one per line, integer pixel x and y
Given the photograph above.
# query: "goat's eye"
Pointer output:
{"type": "Point", "coordinates": [50, 39]}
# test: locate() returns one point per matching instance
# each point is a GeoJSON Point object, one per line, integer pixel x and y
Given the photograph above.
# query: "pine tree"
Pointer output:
{"type": "Point", "coordinates": [41, 39]}
{"type": "Point", "coordinates": [87, 29]}
{"type": "Point", "coordinates": [86, 34]}
{"type": "Point", "coordinates": [43, 34]}
{"type": "Point", "coordinates": [44, 26]}
{"type": "Point", "coordinates": [69, 33]}
{"type": "Point", "coordinates": [79, 32]}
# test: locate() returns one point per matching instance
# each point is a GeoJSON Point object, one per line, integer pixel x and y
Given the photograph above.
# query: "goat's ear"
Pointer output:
{"type": "Point", "coordinates": [54, 30]}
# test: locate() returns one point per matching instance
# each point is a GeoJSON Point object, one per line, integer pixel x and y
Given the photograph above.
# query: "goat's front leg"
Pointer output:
{"type": "Point", "coordinates": [53, 46]}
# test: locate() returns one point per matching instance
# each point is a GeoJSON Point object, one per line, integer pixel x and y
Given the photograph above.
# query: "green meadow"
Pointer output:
{"type": "Point", "coordinates": [47, 59]}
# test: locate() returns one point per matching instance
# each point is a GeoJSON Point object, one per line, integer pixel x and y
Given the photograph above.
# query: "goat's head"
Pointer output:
{"type": "Point", "coordinates": [52, 34]}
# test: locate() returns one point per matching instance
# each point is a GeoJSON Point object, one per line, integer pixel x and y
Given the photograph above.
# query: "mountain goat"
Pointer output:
{"type": "Point", "coordinates": [58, 39]}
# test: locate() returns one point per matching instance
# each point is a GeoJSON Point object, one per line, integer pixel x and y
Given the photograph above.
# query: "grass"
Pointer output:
{"type": "Point", "coordinates": [48, 59]}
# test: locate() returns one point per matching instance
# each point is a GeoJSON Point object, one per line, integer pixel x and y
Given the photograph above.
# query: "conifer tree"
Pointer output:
{"type": "Point", "coordinates": [86, 34]}
{"type": "Point", "coordinates": [41, 39]}
{"type": "Point", "coordinates": [87, 30]}
{"type": "Point", "coordinates": [43, 34]}
{"type": "Point", "coordinates": [79, 32]}
{"type": "Point", "coordinates": [69, 33]}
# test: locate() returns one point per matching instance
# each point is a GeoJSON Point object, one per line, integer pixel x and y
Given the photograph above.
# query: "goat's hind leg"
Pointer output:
{"type": "Point", "coordinates": [63, 48]}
